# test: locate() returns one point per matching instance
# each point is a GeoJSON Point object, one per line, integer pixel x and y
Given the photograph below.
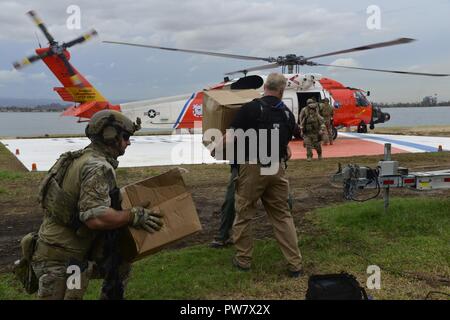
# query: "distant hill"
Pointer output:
{"type": "Point", "coordinates": [32, 103]}
{"type": "Point", "coordinates": [27, 102]}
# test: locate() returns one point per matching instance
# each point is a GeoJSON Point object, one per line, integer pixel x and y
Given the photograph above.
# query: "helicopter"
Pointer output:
{"type": "Point", "coordinates": [352, 108]}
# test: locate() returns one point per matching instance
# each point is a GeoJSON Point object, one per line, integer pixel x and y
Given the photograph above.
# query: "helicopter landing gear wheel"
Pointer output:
{"type": "Point", "coordinates": [362, 128]}
{"type": "Point", "coordinates": [334, 132]}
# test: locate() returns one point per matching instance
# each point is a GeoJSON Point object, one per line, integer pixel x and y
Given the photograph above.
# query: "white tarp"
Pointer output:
{"type": "Point", "coordinates": [143, 151]}
{"type": "Point", "coordinates": [182, 149]}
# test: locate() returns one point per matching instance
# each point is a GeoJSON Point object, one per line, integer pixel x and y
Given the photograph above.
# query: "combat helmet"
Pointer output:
{"type": "Point", "coordinates": [107, 125]}
{"type": "Point", "coordinates": [310, 101]}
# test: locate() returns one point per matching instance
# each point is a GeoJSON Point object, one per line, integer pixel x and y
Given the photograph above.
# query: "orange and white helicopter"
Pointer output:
{"type": "Point", "coordinates": [352, 108]}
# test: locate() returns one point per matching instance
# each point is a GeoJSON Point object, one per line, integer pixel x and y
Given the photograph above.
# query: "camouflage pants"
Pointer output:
{"type": "Point", "coordinates": [53, 279]}
{"type": "Point", "coordinates": [312, 141]}
{"type": "Point", "coordinates": [328, 135]}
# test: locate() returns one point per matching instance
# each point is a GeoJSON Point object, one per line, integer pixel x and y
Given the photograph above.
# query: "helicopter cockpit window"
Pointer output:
{"type": "Point", "coordinates": [361, 100]}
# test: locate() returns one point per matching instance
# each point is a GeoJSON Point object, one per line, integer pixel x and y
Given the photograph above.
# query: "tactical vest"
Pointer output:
{"type": "Point", "coordinates": [325, 110]}
{"type": "Point", "coordinates": [311, 122]}
{"type": "Point", "coordinates": [62, 236]}
{"type": "Point", "coordinates": [58, 204]}
{"type": "Point", "coordinates": [275, 117]}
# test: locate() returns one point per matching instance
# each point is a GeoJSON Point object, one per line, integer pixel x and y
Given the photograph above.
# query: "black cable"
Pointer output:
{"type": "Point", "coordinates": [350, 184]}
{"type": "Point", "coordinates": [372, 197]}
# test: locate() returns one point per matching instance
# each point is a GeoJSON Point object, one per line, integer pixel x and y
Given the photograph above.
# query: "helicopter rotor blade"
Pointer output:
{"type": "Point", "coordinates": [41, 26]}
{"type": "Point", "coordinates": [29, 60]}
{"type": "Point", "coordinates": [245, 71]}
{"type": "Point", "coordinates": [76, 81]}
{"type": "Point", "coordinates": [67, 64]}
{"type": "Point", "coordinates": [367, 47]}
{"type": "Point", "coordinates": [209, 53]}
{"type": "Point", "coordinates": [81, 39]}
{"type": "Point", "coordinates": [384, 70]}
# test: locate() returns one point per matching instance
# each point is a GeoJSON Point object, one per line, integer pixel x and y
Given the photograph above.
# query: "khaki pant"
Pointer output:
{"type": "Point", "coordinates": [273, 191]}
{"type": "Point", "coordinates": [53, 279]}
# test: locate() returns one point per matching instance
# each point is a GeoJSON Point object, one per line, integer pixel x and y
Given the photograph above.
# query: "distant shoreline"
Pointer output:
{"type": "Point", "coordinates": [420, 107]}
{"type": "Point", "coordinates": [61, 109]}
{"type": "Point", "coordinates": [32, 110]}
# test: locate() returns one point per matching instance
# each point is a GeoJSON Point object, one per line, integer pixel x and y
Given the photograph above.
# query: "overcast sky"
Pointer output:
{"type": "Point", "coordinates": [247, 27]}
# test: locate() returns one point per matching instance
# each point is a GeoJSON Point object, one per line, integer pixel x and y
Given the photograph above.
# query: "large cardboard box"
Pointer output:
{"type": "Point", "coordinates": [221, 106]}
{"type": "Point", "coordinates": [166, 193]}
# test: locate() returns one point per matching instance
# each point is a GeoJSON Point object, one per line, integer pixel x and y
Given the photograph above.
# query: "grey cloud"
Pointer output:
{"type": "Point", "coordinates": [260, 28]}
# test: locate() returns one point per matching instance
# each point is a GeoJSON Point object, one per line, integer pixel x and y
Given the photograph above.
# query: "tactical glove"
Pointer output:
{"type": "Point", "coordinates": [146, 219]}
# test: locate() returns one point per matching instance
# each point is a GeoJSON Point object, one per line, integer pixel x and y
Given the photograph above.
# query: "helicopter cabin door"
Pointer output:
{"type": "Point", "coordinates": [303, 97]}
{"type": "Point", "coordinates": [291, 105]}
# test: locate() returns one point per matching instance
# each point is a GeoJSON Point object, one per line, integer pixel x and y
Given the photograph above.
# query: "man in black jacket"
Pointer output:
{"type": "Point", "coordinates": [262, 173]}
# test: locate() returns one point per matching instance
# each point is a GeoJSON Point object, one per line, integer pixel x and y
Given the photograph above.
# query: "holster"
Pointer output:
{"type": "Point", "coordinates": [23, 270]}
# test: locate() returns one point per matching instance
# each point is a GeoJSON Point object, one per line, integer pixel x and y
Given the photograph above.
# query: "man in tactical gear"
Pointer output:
{"type": "Point", "coordinates": [82, 213]}
{"type": "Point", "coordinates": [312, 128]}
{"type": "Point", "coordinates": [327, 112]}
{"type": "Point", "coordinates": [261, 115]}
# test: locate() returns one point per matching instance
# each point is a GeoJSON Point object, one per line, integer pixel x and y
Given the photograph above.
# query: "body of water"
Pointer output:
{"type": "Point", "coordinates": [27, 124]}
{"type": "Point", "coordinates": [413, 117]}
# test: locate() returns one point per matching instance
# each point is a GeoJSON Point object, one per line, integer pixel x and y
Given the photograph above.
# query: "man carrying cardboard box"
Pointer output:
{"type": "Point", "coordinates": [262, 174]}
{"type": "Point", "coordinates": [82, 207]}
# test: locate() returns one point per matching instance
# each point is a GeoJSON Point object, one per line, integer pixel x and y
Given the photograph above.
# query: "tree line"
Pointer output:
{"type": "Point", "coordinates": [52, 107]}
{"type": "Point", "coordinates": [411, 104]}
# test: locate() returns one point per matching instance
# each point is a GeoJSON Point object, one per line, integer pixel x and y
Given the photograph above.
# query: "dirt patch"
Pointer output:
{"type": "Point", "coordinates": [310, 186]}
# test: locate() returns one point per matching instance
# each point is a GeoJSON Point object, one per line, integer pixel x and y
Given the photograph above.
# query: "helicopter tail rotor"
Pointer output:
{"type": "Point", "coordinates": [54, 49]}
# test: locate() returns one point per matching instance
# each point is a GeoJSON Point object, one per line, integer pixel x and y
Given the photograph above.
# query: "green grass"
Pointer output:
{"type": "Point", "coordinates": [414, 234]}
{"type": "Point", "coordinates": [409, 243]}
{"type": "Point", "coordinates": [10, 289]}
{"type": "Point", "coordinates": [10, 175]}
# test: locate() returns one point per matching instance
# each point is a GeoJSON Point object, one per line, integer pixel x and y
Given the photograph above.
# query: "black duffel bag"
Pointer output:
{"type": "Point", "coordinates": [342, 286]}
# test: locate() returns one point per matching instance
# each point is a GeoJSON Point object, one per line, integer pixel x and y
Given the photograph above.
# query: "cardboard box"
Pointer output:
{"type": "Point", "coordinates": [166, 193]}
{"type": "Point", "coordinates": [221, 106]}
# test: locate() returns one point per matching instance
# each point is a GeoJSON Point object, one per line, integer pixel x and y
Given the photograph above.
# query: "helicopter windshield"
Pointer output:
{"type": "Point", "coordinates": [361, 100]}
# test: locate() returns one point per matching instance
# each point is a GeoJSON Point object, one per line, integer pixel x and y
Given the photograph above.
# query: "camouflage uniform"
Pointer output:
{"type": "Point", "coordinates": [312, 126]}
{"type": "Point", "coordinates": [90, 179]}
{"type": "Point", "coordinates": [327, 112]}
